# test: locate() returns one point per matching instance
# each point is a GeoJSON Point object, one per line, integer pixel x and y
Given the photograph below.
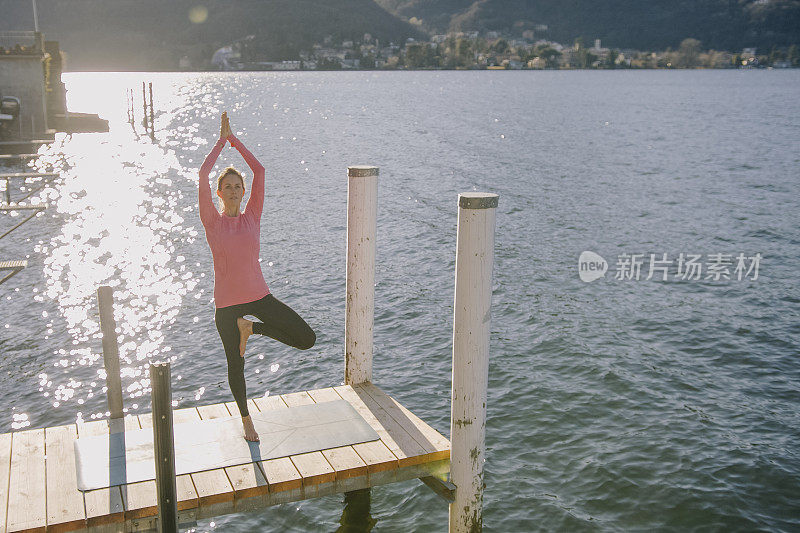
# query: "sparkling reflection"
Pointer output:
{"type": "Point", "coordinates": [121, 220]}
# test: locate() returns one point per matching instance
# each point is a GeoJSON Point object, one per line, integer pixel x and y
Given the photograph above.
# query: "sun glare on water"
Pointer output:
{"type": "Point", "coordinates": [121, 218]}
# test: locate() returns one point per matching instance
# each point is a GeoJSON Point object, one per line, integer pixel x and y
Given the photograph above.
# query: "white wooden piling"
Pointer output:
{"type": "Point", "coordinates": [108, 326]}
{"type": "Point", "coordinates": [164, 448]}
{"type": "Point", "coordinates": [362, 209]}
{"type": "Point", "coordinates": [144, 105]}
{"type": "Point", "coordinates": [152, 115]}
{"type": "Point", "coordinates": [472, 314]}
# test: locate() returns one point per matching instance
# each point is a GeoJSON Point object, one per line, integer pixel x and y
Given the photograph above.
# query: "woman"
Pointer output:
{"type": "Point", "coordinates": [239, 286]}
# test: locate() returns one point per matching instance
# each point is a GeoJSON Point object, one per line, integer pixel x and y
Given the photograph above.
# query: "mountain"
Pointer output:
{"type": "Point", "coordinates": [154, 34]}
{"type": "Point", "coordinates": [646, 25]}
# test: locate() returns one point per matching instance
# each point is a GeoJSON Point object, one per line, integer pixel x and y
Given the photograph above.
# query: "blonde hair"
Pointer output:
{"type": "Point", "coordinates": [225, 172]}
{"type": "Point", "coordinates": [229, 170]}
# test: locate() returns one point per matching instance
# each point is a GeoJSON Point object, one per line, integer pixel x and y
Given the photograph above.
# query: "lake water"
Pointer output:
{"type": "Point", "coordinates": [620, 404]}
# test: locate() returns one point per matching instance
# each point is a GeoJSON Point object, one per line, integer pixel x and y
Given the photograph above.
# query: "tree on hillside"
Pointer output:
{"type": "Point", "coordinates": [611, 60]}
{"type": "Point", "coordinates": [501, 46]}
{"type": "Point", "coordinates": [464, 53]}
{"type": "Point", "coordinates": [549, 55]}
{"type": "Point", "coordinates": [417, 55]}
{"type": "Point", "coordinates": [688, 53]}
{"type": "Point", "coordinates": [583, 57]}
{"type": "Point", "coordinates": [793, 56]}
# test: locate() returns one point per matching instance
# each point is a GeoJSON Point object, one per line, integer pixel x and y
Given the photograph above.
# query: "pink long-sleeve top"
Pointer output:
{"type": "Point", "coordinates": [234, 241]}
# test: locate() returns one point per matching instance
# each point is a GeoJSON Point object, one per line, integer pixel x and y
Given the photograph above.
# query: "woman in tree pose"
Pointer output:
{"type": "Point", "coordinates": [239, 286]}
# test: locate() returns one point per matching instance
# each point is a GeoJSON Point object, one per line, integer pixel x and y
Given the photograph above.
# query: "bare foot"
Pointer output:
{"type": "Point", "coordinates": [249, 430]}
{"type": "Point", "coordinates": [245, 330]}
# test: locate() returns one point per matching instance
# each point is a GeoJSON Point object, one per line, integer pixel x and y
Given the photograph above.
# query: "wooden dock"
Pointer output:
{"type": "Point", "coordinates": [22, 147]}
{"type": "Point", "coordinates": [11, 268]}
{"type": "Point", "coordinates": [17, 158]}
{"type": "Point", "coordinates": [33, 209]}
{"type": "Point", "coordinates": [38, 478]}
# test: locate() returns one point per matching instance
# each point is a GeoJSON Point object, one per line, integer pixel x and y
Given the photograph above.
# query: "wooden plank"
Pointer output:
{"type": "Point", "coordinates": [25, 175]}
{"type": "Point", "coordinates": [234, 409]}
{"type": "Point", "coordinates": [210, 412]}
{"type": "Point", "coordinates": [344, 460]}
{"type": "Point", "coordinates": [103, 506]}
{"type": "Point", "coordinates": [179, 416]}
{"type": "Point", "coordinates": [213, 486]}
{"type": "Point", "coordinates": [138, 499]}
{"type": "Point", "coordinates": [5, 470]}
{"type": "Point", "coordinates": [407, 451]}
{"type": "Point", "coordinates": [293, 399]}
{"type": "Point", "coordinates": [11, 157]}
{"type": "Point", "coordinates": [313, 466]}
{"type": "Point", "coordinates": [247, 480]}
{"type": "Point", "coordinates": [269, 402]}
{"type": "Point", "coordinates": [65, 510]}
{"type": "Point", "coordinates": [186, 493]}
{"type": "Point", "coordinates": [23, 143]}
{"type": "Point", "coordinates": [375, 455]}
{"type": "Point", "coordinates": [444, 489]}
{"type": "Point", "coordinates": [281, 474]}
{"type": "Point", "coordinates": [23, 207]}
{"type": "Point", "coordinates": [14, 266]}
{"type": "Point", "coordinates": [324, 395]}
{"type": "Point", "coordinates": [430, 439]}
{"type": "Point", "coordinates": [27, 509]}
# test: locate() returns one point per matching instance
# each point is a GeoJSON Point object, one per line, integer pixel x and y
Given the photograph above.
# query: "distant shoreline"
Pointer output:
{"type": "Point", "coordinates": [638, 69]}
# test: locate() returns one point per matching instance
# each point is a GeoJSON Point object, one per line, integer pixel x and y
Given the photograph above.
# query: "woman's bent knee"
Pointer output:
{"type": "Point", "coordinates": [308, 341]}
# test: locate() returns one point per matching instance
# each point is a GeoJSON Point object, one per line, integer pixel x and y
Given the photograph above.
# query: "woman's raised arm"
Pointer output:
{"type": "Point", "coordinates": [207, 210]}
{"type": "Point", "coordinates": [256, 202]}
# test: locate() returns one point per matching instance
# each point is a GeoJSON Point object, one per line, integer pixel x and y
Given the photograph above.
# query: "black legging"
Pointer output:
{"type": "Point", "coordinates": [278, 321]}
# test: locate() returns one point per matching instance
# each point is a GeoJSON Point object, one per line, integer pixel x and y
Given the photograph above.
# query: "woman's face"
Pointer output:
{"type": "Point", "coordinates": [231, 189]}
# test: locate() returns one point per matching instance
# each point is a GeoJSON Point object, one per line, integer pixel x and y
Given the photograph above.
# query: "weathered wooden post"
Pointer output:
{"type": "Point", "coordinates": [362, 209]}
{"type": "Point", "coordinates": [152, 115]}
{"type": "Point", "coordinates": [144, 106]}
{"type": "Point", "coordinates": [164, 447]}
{"type": "Point", "coordinates": [108, 326]}
{"type": "Point", "coordinates": [472, 313]}
{"type": "Point", "coordinates": [150, 90]}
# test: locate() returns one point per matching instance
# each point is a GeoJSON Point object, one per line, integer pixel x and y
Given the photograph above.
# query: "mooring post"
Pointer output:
{"type": "Point", "coordinates": [152, 115]}
{"type": "Point", "coordinates": [362, 211]}
{"type": "Point", "coordinates": [164, 447]}
{"type": "Point", "coordinates": [472, 313]}
{"type": "Point", "coordinates": [150, 90]}
{"type": "Point", "coordinates": [144, 105]}
{"type": "Point", "coordinates": [108, 326]}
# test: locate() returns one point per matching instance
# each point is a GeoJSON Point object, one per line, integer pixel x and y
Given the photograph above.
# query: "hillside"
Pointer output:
{"type": "Point", "coordinates": [154, 35]}
{"type": "Point", "coordinates": [646, 25]}
{"type": "Point", "coordinates": [151, 34]}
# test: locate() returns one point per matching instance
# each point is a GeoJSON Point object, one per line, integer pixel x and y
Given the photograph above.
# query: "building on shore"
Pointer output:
{"type": "Point", "coordinates": [30, 74]}
{"type": "Point", "coordinates": [21, 56]}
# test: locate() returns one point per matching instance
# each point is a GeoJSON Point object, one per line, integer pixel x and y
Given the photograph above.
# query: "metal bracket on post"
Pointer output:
{"type": "Point", "coordinates": [164, 448]}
